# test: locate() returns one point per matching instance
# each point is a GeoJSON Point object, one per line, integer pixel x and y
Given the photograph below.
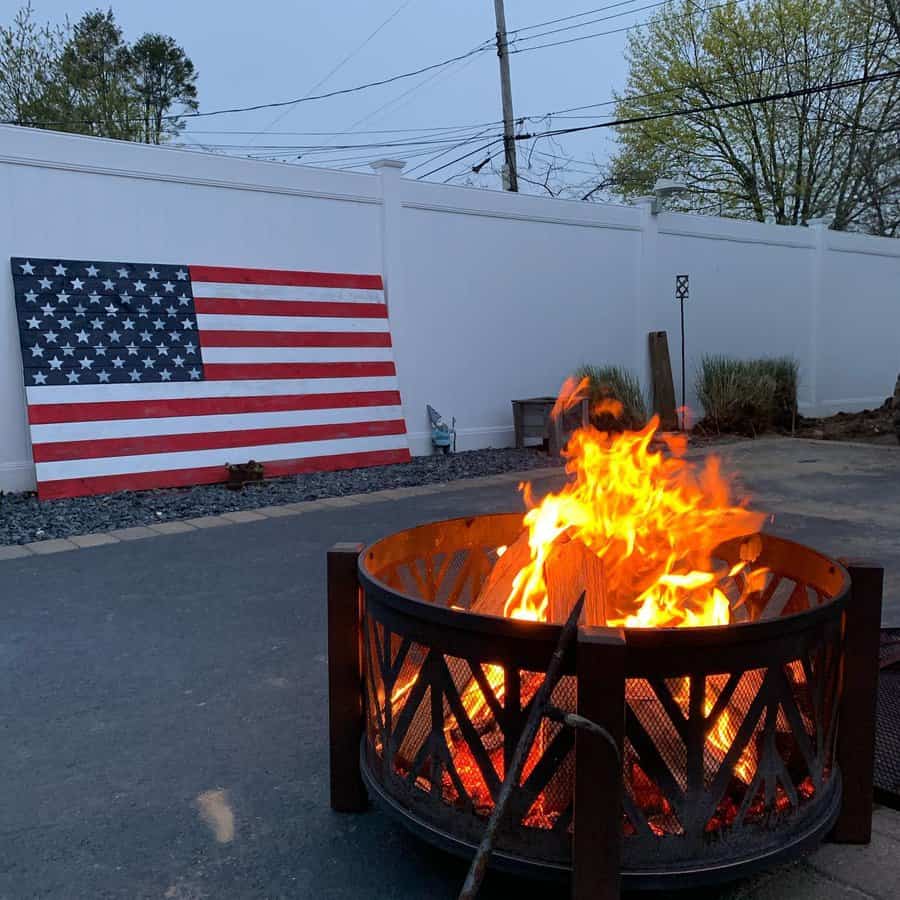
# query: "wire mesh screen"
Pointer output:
{"type": "Point", "coordinates": [716, 758]}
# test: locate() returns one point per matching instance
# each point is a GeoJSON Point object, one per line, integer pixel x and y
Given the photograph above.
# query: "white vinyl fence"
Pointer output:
{"type": "Point", "coordinates": [491, 296]}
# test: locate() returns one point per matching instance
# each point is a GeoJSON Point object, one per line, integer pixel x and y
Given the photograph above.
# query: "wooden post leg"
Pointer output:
{"type": "Point", "coordinates": [856, 729]}
{"type": "Point", "coordinates": [597, 840]}
{"type": "Point", "coordinates": [345, 698]}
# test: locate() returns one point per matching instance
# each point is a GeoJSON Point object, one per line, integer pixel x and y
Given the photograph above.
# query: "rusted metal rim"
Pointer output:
{"type": "Point", "coordinates": [415, 540]}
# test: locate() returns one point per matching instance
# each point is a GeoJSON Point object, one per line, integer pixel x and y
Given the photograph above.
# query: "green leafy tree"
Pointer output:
{"type": "Point", "coordinates": [161, 77]}
{"type": "Point", "coordinates": [87, 79]}
{"type": "Point", "coordinates": [831, 153]}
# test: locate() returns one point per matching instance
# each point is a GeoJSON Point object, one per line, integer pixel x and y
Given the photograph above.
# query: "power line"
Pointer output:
{"type": "Point", "coordinates": [342, 63]}
{"type": "Point", "coordinates": [715, 107]}
{"type": "Point", "coordinates": [587, 12]}
{"type": "Point", "coordinates": [460, 158]}
{"type": "Point", "coordinates": [481, 48]}
{"type": "Point", "coordinates": [618, 15]}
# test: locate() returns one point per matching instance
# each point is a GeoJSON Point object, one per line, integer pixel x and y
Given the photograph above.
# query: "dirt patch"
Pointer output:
{"type": "Point", "coordinates": [875, 426]}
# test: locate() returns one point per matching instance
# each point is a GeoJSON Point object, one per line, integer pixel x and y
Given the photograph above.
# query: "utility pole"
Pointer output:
{"type": "Point", "coordinates": [509, 140]}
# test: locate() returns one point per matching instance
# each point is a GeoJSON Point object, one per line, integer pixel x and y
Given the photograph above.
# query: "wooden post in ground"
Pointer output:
{"type": "Point", "coordinates": [856, 728]}
{"type": "Point", "coordinates": [345, 698]}
{"type": "Point", "coordinates": [597, 839]}
{"type": "Point", "coordinates": [662, 384]}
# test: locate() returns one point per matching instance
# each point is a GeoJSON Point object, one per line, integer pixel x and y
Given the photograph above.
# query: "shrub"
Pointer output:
{"type": "Point", "coordinates": [747, 396]}
{"type": "Point", "coordinates": [616, 383]}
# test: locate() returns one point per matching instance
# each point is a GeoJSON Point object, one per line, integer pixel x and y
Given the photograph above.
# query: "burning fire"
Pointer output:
{"type": "Point", "coordinates": [651, 518]}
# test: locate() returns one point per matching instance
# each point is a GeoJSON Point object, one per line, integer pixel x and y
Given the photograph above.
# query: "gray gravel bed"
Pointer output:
{"type": "Point", "coordinates": [24, 518]}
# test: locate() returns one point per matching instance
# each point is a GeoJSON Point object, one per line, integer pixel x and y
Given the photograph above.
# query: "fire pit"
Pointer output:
{"type": "Point", "coordinates": [729, 757]}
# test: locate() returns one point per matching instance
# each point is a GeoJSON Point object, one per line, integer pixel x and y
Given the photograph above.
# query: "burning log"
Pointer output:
{"type": "Point", "coordinates": [570, 570]}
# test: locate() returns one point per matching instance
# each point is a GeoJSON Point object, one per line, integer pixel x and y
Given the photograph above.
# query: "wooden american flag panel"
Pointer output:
{"type": "Point", "coordinates": [142, 375]}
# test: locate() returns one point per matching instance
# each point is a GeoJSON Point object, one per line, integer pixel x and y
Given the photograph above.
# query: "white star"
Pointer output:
{"type": "Point", "coordinates": [142, 312]}
{"type": "Point", "coordinates": [171, 311]}
{"type": "Point", "coordinates": [65, 322]}
{"type": "Point", "coordinates": [73, 377]}
{"type": "Point", "coordinates": [60, 269]}
{"type": "Point", "coordinates": [103, 377]}
{"type": "Point", "coordinates": [155, 299]}
{"type": "Point", "coordinates": [55, 363]}
{"type": "Point", "coordinates": [132, 349]}
{"type": "Point", "coordinates": [168, 287]}
{"type": "Point", "coordinates": [111, 310]}
{"type": "Point", "coordinates": [145, 336]}
{"type": "Point", "coordinates": [34, 322]}
{"type": "Point", "coordinates": [189, 347]}
{"type": "Point", "coordinates": [97, 324]}
{"type": "Point", "coordinates": [175, 335]}
{"type": "Point", "coordinates": [31, 297]}
{"type": "Point", "coordinates": [80, 310]}
{"type": "Point", "coordinates": [181, 275]}
{"type": "Point", "coordinates": [94, 297]}
{"type": "Point", "coordinates": [187, 324]}
{"type": "Point", "coordinates": [123, 273]}
{"type": "Point", "coordinates": [128, 324]}
{"type": "Point", "coordinates": [63, 297]}
{"type": "Point", "coordinates": [195, 374]}
{"type": "Point", "coordinates": [179, 361]}
{"type": "Point", "coordinates": [125, 297]}
{"type": "Point", "coordinates": [135, 375]}
{"type": "Point", "coordinates": [48, 310]}
{"type": "Point", "coordinates": [158, 324]}
{"type": "Point", "coordinates": [139, 286]}
{"type": "Point", "coordinates": [82, 336]}
{"type": "Point", "coordinates": [68, 349]}
{"type": "Point", "coordinates": [114, 335]}
{"type": "Point", "coordinates": [27, 268]}
{"type": "Point", "coordinates": [37, 351]}
{"type": "Point", "coordinates": [77, 284]}
{"type": "Point", "coordinates": [149, 363]}
{"type": "Point", "coordinates": [109, 284]}
{"type": "Point", "coordinates": [50, 337]}
{"type": "Point", "coordinates": [162, 349]}
{"type": "Point", "coordinates": [92, 271]}
{"type": "Point", "coordinates": [118, 362]}
{"type": "Point", "coordinates": [39, 378]}
{"type": "Point", "coordinates": [184, 300]}
{"type": "Point", "coordinates": [153, 274]}
{"type": "Point", "coordinates": [165, 375]}
{"type": "Point", "coordinates": [86, 362]}
{"type": "Point", "coordinates": [45, 284]}
{"type": "Point", "coordinates": [100, 350]}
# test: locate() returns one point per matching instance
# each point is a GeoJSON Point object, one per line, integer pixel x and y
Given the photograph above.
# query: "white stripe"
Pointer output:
{"type": "Point", "coordinates": [208, 322]}
{"type": "Point", "coordinates": [99, 393]}
{"type": "Point", "coordinates": [195, 459]}
{"type": "Point", "coordinates": [231, 291]}
{"type": "Point", "coordinates": [128, 428]}
{"type": "Point", "coordinates": [296, 354]}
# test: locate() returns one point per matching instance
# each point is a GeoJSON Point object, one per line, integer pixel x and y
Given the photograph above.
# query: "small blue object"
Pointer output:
{"type": "Point", "coordinates": [443, 436]}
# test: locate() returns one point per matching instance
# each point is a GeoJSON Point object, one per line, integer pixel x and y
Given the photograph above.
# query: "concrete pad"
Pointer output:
{"type": "Point", "coordinates": [54, 546]}
{"type": "Point", "coordinates": [14, 551]}
{"type": "Point", "coordinates": [887, 822]}
{"type": "Point", "coordinates": [208, 522]}
{"type": "Point", "coordinates": [796, 883]}
{"type": "Point", "coordinates": [873, 868]}
{"type": "Point", "coordinates": [133, 534]}
{"type": "Point", "coordinates": [172, 527]}
{"type": "Point", "coordinates": [98, 539]}
{"type": "Point", "coordinates": [243, 515]}
{"type": "Point", "coordinates": [275, 512]}
{"type": "Point", "coordinates": [337, 502]}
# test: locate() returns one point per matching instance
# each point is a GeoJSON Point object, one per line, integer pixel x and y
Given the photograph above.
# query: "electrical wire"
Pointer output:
{"type": "Point", "coordinates": [587, 12]}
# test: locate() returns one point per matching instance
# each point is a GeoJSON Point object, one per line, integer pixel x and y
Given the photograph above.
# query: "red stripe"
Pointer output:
{"type": "Point", "coordinates": [219, 306]}
{"type": "Point", "coordinates": [295, 339]}
{"type": "Point", "coordinates": [249, 371]}
{"type": "Point", "coordinates": [211, 440]}
{"type": "Point", "coordinates": [143, 481]}
{"type": "Point", "coordinates": [277, 276]}
{"type": "Point", "coordinates": [50, 413]}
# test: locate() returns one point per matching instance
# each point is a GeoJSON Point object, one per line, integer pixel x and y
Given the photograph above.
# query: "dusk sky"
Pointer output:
{"type": "Point", "coordinates": [274, 50]}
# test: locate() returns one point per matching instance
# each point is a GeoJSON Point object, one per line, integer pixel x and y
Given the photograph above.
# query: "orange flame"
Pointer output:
{"type": "Point", "coordinates": [652, 517]}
